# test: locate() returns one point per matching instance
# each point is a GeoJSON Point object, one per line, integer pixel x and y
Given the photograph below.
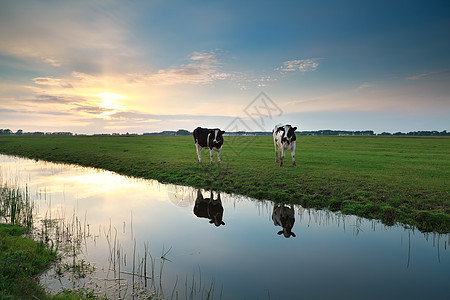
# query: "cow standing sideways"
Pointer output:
{"type": "Point", "coordinates": [284, 139]}
{"type": "Point", "coordinates": [208, 138]}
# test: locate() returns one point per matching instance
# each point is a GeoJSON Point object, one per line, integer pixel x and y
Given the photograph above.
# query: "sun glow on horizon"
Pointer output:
{"type": "Point", "coordinates": [111, 103]}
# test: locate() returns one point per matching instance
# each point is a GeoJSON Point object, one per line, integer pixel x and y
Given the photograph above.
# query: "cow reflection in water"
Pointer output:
{"type": "Point", "coordinates": [209, 208]}
{"type": "Point", "coordinates": [284, 216]}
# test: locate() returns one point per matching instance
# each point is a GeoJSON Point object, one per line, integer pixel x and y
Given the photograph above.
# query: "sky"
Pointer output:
{"type": "Point", "coordinates": [147, 66]}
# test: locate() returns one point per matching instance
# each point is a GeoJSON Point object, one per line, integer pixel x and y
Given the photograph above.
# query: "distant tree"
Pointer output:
{"type": "Point", "coordinates": [5, 131]}
{"type": "Point", "coordinates": [19, 132]}
{"type": "Point", "coordinates": [183, 132]}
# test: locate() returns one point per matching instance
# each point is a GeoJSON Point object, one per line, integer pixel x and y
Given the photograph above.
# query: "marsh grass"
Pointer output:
{"type": "Point", "coordinates": [15, 205]}
{"type": "Point", "coordinates": [147, 272]}
{"type": "Point", "coordinates": [21, 258]}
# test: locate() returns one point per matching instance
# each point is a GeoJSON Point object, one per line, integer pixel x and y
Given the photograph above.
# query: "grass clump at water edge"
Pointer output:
{"type": "Point", "coordinates": [22, 259]}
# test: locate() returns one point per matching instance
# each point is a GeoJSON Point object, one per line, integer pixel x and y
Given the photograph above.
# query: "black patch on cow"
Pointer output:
{"type": "Point", "coordinates": [205, 137]}
{"type": "Point", "coordinates": [289, 136]}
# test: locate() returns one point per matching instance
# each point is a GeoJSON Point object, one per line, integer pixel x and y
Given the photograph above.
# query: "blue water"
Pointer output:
{"type": "Point", "coordinates": [332, 256]}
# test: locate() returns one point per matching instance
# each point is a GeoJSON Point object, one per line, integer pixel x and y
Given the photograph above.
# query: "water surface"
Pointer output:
{"type": "Point", "coordinates": [235, 248]}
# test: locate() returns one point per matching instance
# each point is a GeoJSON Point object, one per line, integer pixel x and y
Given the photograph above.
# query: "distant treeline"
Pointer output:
{"type": "Point", "coordinates": [347, 133]}
{"type": "Point", "coordinates": [370, 132]}
{"type": "Point", "coordinates": [179, 132]}
{"type": "Point", "coordinates": [241, 133]}
{"type": "Point", "coordinates": [20, 132]}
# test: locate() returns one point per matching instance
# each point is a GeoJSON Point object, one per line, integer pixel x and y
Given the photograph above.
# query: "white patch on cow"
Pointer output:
{"type": "Point", "coordinates": [218, 155]}
{"type": "Point", "coordinates": [207, 139]}
{"type": "Point", "coordinates": [215, 135]}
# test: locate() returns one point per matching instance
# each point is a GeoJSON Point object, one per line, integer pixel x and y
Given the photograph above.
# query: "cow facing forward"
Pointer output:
{"type": "Point", "coordinates": [208, 138]}
{"type": "Point", "coordinates": [284, 139]}
{"type": "Point", "coordinates": [283, 216]}
{"type": "Point", "coordinates": [209, 208]}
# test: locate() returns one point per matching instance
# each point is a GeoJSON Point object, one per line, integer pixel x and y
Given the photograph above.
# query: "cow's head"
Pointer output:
{"type": "Point", "coordinates": [289, 134]}
{"type": "Point", "coordinates": [216, 137]}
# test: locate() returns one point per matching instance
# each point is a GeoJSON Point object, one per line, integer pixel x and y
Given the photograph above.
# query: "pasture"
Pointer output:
{"type": "Point", "coordinates": [395, 179]}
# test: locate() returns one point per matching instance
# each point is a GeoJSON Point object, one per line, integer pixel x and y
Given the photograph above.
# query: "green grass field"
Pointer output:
{"type": "Point", "coordinates": [394, 179]}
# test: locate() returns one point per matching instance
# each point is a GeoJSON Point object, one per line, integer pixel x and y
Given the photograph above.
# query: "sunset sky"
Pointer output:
{"type": "Point", "coordinates": [145, 66]}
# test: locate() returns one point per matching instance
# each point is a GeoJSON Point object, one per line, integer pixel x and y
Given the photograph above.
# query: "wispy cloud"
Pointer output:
{"type": "Point", "coordinates": [52, 82]}
{"type": "Point", "coordinates": [54, 99]}
{"type": "Point", "coordinates": [302, 65]}
{"type": "Point", "coordinates": [368, 97]}
{"type": "Point", "coordinates": [425, 75]}
{"type": "Point", "coordinates": [202, 68]}
{"type": "Point", "coordinates": [363, 86]}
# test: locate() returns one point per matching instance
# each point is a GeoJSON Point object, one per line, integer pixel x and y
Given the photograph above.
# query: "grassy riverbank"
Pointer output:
{"type": "Point", "coordinates": [21, 260]}
{"type": "Point", "coordinates": [395, 179]}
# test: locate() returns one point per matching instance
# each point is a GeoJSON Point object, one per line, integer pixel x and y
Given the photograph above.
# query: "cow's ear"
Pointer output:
{"type": "Point", "coordinates": [295, 128]}
{"type": "Point", "coordinates": [223, 223]}
{"type": "Point", "coordinates": [280, 232]}
{"type": "Point", "coordinates": [292, 234]}
{"type": "Point", "coordinates": [222, 131]}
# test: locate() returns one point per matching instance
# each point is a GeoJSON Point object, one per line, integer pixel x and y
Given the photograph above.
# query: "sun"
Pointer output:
{"type": "Point", "coordinates": [111, 103]}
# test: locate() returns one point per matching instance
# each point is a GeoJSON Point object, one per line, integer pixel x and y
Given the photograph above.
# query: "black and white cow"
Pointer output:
{"type": "Point", "coordinates": [284, 216]}
{"type": "Point", "coordinates": [284, 139]}
{"type": "Point", "coordinates": [209, 208]}
{"type": "Point", "coordinates": [208, 138]}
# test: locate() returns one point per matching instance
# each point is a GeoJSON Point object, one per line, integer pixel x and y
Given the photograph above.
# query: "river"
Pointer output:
{"type": "Point", "coordinates": [131, 238]}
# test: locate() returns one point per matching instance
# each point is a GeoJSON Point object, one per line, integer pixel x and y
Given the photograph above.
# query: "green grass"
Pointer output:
{"type": "Point", "coordinates": [21, 260]}
{"type": "Point", "coordinates": [394, 179]}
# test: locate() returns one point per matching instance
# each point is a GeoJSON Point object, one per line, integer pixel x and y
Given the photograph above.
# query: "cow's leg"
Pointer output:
{"type": "Point", "coordinates": [281, 156]}
{"type": "Point", "coordinates": [211, 154]}
{"type": "Point", "coordinates": [276, 151]}
{"type": "Point", "coordinates": [218, 156]}
{"type": "Point", "coordinates": [199, 151]}
{"type": "Point", "coordinates": [293, 154]}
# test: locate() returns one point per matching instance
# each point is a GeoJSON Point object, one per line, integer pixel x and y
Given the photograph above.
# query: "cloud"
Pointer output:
{"type": "Point", "coordinates": [367, 97]}
{"type": "Point", "coordinates": [54, 99]}
{"type": "Point", "coordinates": [425, 75]}
{"type": "Point", "coordinates": [202, 68]}
{"type": "Point", "coordinates": [92, 110]}
{"type": "Point", "coordinates": [52, 82]}
{"type": "Point", "coordinates": [33, 112]}
{"type": "Point", "coordinates": [364, 86]}
{"type": "Point", "coordinates": [61, 34]}
{"type": "Point", "coordinates": [302, 65]}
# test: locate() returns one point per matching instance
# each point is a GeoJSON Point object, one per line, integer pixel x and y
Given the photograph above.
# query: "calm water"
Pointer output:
{"type": "Point", "coordinates": [121, 226]}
